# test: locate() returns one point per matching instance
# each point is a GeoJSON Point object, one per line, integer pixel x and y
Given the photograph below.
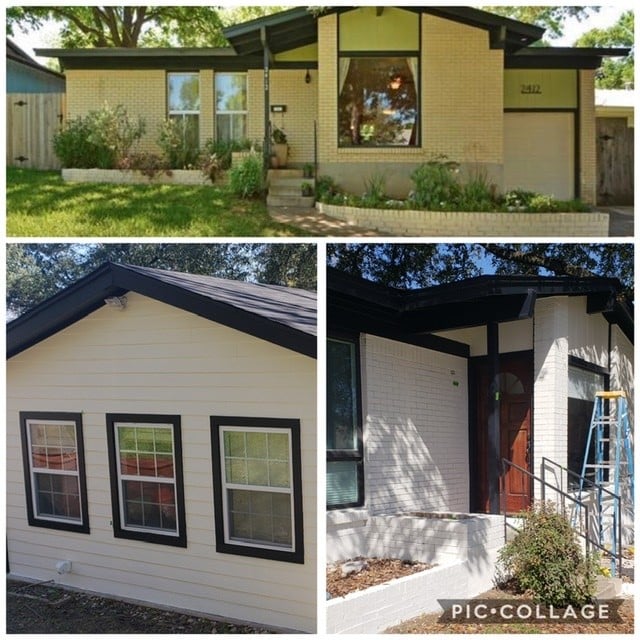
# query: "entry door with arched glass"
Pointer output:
{"type": "Point", "coordinates": [516, 397]}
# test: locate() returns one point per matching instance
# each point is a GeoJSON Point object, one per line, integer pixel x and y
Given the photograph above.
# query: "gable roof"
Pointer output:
{"type": "Point", "coordinates": [280, 315]}
{"type": "Point", "coordinates": [15, 53]}
{"type": "Point", "coordinates": [359, 305]}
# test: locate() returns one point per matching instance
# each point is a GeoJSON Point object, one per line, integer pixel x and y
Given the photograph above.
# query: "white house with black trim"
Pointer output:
{"type": "Point", "coordinates": [161, 438]}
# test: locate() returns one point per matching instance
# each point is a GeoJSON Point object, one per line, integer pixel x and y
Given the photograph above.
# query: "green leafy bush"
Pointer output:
{"type": "Point", "coordinates": [223, 149]}
{"type": "Point", "coordinates": [326, 189]}
{"type": "Point", "coordinates": [246, 179]}
{"type": "Point", "coordinates": [100, 139]}
{"type": "Point", "coordinates": [545, 560]}
{"type": "Point", "coordinates": [178, 139]}
{"type": "Point", "coordinates": [436, 187]}
{"type": "Point", "coordinates": [148, 164]}
{"type": "Point", "coordinates": [374, 194]}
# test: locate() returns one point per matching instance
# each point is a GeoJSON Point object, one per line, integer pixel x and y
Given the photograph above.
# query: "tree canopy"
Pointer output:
{"type": "Point", "coordinates": [424, 265]}
{"type": "Point", "coordinates": [37, 271]}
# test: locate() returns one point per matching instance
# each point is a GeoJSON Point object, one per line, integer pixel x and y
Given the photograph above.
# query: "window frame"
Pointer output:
{"type": "Point", "coordinates": [350, 455]}
{"type": "Point", "coordinates": [184, 114]}
{"type": "Point", "coordinates": [418, 90]}
{"type": "Point", "coordinates": [131, 532]}
{"type": "Point", "coordinates": [224, 543]}
{"type": "Point", "coordinates": [53, 522]}
{"type": "Point", "coordinates": [235, 112]}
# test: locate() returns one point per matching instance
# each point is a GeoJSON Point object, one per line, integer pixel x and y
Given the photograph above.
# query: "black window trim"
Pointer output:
{"type": "Point", "coordinates": [147, 536]}
{"type": "Point", "coordinates": [350, 455]}
{"type": "Point", "coordinates": [32, 518]}
{"type": "Point", "coordinates": [222, 546]}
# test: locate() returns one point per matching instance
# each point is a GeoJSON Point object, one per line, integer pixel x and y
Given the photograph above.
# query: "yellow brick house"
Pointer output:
{"type": "Point", "coordinates": [364, 91]}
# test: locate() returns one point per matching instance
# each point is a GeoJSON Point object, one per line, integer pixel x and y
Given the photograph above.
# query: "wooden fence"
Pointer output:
{"type": "Point", "coordinates": [615, 161]}
{"type": "Point", "coordinates": [32, 120]}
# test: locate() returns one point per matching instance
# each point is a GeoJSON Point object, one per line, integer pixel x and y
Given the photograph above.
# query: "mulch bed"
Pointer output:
{"type": "Point", "coordinates": [48, 608]}
{"type": "Point", "coordinates": [428, 623]}
{"type": "Point", "coordinates": [378, 571]}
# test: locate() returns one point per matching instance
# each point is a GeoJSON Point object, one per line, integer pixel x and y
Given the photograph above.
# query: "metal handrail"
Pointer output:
{"type": "Point", "coordinates": [578, 503]}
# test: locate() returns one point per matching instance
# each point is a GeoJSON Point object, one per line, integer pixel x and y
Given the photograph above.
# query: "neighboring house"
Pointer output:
{"type": "Point", "coordinates": [161, 438]}
{"type": "Point", "coordinates": [615, 146]}
{"type": "Point", "coordinates": [372, 91]}
{"type": "Point", "coordinates": [428, 389]}
{"type": "Point", "coordinates": [25, 75]}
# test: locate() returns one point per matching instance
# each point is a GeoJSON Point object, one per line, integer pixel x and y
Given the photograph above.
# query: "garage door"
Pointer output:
{"type": "Point", "coordinates": [539, 153]}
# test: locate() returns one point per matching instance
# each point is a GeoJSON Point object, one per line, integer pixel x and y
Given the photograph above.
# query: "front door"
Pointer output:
{"type": "Point", "coordinates": [516, 395]}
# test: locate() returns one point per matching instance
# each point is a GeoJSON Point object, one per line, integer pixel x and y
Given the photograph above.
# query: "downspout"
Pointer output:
{"type": "Point", "coordinates": [266, 53]}
{"type": "Point", "coordinates": [494, 462]}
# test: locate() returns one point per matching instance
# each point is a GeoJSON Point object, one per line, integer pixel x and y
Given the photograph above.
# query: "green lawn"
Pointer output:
{"type": "Point", "coordinates": [40, 204]}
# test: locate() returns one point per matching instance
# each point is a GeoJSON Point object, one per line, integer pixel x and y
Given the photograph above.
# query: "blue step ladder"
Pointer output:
{"type": "Point", "coordinates": [610, 433]}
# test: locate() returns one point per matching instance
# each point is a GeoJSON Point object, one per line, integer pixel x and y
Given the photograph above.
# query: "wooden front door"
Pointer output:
{"type": "Point", "coordinates": [516, 397]}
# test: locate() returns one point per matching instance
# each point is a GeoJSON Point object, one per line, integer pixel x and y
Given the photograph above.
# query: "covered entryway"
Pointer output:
{"type": "Point", "coordinates": [516, 398]}
{"type": "Point", "coordinates": [539, 153]}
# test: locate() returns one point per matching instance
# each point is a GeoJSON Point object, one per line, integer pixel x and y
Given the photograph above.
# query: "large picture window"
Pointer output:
{"type": "Point", "coordinates": [257, 487]}
{"type": "Point", "coordinates": [345, 482]}
{"type": "Point", "coordinates": [378, 101]}
{"type": "Point", "coordinates": [231, 106]}
{"type": "Point", "coordinates": [55, 481]}
{"type": "Point", "coordinates": [183, 105]}
{"type": "Point", "coordinates": [145, 459]}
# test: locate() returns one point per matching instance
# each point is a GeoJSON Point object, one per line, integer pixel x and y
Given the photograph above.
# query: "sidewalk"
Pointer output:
{"type": "Point", "coordinates": [318, 224]}
{"type": "Point", "coordinates": [620, 221]}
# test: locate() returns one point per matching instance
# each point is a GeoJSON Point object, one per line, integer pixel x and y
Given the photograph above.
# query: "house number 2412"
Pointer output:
{"type": "Point", "coordinates": [531, 89]}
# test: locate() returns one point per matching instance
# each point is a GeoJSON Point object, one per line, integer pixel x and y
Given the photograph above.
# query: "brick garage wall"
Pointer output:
{"type": "Point", "coordinates": [416, 428]}
{"type": "Point", "coordinates": [142, 93]}
{"type": "Point", "coordinates": [463, 122]}
{"type": "Point", "coordinates": [551, 370]}
{"type": "Point", "coordinates": [587, 126]}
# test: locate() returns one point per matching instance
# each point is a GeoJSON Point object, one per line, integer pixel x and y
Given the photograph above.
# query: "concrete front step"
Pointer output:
{"type": "Point", "coordinates": [279, 174]}
{"type": "Point", "coordinates": [298, 201]}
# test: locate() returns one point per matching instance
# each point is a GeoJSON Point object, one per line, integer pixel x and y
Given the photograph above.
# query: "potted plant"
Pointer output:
{"type": "Point", "coordinates": [307, 189]}
{"type": "Point", "coordinates": [307, 170]}
{"type": "Point", "coordinates": [280, 146]}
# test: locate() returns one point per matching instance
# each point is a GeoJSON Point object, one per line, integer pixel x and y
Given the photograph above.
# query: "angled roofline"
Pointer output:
{"type": "Point", "coordinates": [465, 302]}
{"type": "Point", "coordinates": [562, 57]}
{"type": "Point", "coordinates": [15, 53]}
{"type": "Point", "coordinates": [88, 294]}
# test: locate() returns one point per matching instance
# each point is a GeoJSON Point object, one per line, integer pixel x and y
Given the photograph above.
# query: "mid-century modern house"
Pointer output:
{"type": "Point", "coordinates": [428, 389]}
{"type": "Point", "coordinates": [161, 443]}
{"type": "Point", "coordinates": [363, 91]}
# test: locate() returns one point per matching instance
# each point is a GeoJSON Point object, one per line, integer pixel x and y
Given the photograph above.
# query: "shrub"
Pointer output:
{"type": "Point", "coordinates": [374, 194]}
{"type": "Point", "coordinates": [326, 189]}
{"type": "Point", "coordinates": [178, 139]}
{"type": "Point", "coordinates": [223, 149]}
{"type": "Point", "coordinates": [246, 179]}
{"type": "Point", "coordinates": [148, 164]}
{"type": "Point", "coordinates": [436, 186]}
{"type": "Point", "coordinates": [101, 139]}
{"type": "Point", "coordinates": [546, 561]}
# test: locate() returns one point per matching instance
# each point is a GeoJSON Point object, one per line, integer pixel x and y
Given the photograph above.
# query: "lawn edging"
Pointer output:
{"type": "Point", "coordinates": [405, 222]}
{"type": "Point", "coordinates": [118, 176]}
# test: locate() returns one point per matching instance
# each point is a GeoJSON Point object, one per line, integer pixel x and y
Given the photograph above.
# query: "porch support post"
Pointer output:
{"type": "Point", "coordinates": [266, 53]}
{"type": "Point", "coordinates": [493, 421]}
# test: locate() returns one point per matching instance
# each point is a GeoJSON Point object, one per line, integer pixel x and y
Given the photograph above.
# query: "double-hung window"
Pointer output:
{"type": "Point", "coordinates": [345, 474]}
{"type": "Point", "coordinates": [53, 458]}
{"type": "Point", "coordinates": [258, 487]}
{"type": "Point", "coordinates": [231, 106]}
{"type": "Point", "coordinates": [183, 105]}
{"type": "Point", "coordinates": [147, 491]}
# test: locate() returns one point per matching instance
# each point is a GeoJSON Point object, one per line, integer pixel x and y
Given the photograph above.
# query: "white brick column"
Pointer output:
{"type": "Point", "coordinates": [551, 370]}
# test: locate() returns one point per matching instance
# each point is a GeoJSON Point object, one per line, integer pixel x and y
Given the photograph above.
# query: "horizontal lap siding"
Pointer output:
{"type": "Point", "coordinates": [416, 428]}
{"type": "Point", "coordinates": [152, 358]}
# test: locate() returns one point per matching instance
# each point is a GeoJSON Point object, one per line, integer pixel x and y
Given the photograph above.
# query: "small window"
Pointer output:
{"type": "Point", "coordinates": [147, 491]}
{"type": "Point", "coordinates": [53, 457]}
{"type": "Point", "coordinates": [345, 473]}
{"type": "Point", "coordinates": [183, 105]}
{"type": "Point", "coordinates": [231, 106]}
{"type": "Point", "coordinates": [258, 487]}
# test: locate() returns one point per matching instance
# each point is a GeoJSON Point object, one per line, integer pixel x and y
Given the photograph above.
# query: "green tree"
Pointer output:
{"type": "Point", "coordinates": [615, 73]}
{"type": "Point", "coordinates": [37, 271]}
{"type": "Point", "coordinates": [550, 18]}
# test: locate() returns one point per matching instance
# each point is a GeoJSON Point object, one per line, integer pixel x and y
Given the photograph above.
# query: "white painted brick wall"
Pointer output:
{"type": "Point", "coordinates": [415, 407]}
{"type": "Point", "coordinates": [551, 342]}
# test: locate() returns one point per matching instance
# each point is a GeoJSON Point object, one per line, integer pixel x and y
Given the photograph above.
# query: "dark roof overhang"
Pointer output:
{"type": "Point", "coordinates": [358, 305]}
{"type": "Point", "coordinates": [286, 317]}
{"type": "Point", "coordinates": [562, 57]}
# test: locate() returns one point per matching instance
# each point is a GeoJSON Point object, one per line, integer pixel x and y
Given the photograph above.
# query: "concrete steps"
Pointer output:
{"type": "Point", "coordinates": [285, 189]}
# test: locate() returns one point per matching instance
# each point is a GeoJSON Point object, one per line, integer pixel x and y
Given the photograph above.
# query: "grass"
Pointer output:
{"type": "Point", "coordinates": [40, 204]}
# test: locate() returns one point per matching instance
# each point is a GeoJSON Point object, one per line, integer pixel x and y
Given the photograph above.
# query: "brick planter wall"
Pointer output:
{"type": "Point", "coordinates": [401, 222]}
{"type": "Point", "coordinates": [115, 176]}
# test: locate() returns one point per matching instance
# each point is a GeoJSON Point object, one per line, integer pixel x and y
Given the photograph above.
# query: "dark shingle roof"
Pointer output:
{"type": "Point", "coordinates": [281, 315]}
